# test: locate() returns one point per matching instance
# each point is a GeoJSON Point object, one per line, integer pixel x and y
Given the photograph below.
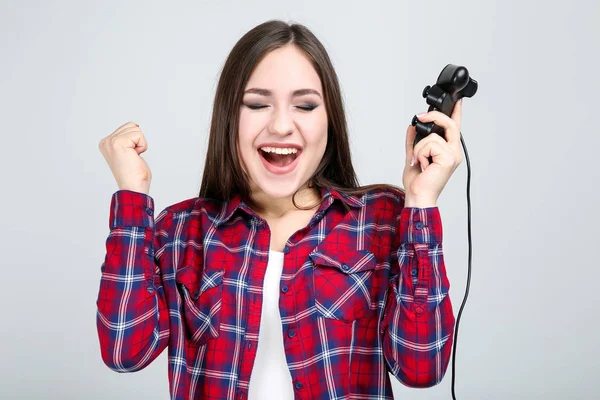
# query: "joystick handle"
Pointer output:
{"type": "Point", "coordinates": [452, 84]}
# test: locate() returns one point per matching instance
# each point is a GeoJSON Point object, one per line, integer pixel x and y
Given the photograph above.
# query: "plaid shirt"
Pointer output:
{"type": "Point", "coordinates": [363, 293]}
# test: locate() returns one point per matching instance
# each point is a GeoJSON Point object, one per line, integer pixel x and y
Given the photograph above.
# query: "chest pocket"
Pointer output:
{"type": "Point", "coordinates": [345, 284]}
{"type": "Point", "coordinates": [202, 297]}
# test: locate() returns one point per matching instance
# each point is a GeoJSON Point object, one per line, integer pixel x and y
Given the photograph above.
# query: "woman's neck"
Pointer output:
{"type": "Point", "coordinates": [271, 208]}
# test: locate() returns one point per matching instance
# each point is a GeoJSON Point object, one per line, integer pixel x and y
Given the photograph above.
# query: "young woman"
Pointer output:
{"type": "Point", "coordinates": [283, 279]}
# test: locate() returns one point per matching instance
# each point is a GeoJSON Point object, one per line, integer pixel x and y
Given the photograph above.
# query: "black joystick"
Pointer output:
{"type": "Point", "coordinates": [452, 85]}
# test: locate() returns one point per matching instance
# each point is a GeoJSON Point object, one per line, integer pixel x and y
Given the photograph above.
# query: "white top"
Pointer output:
{"type": "Point", "coordinates": [270, 377]}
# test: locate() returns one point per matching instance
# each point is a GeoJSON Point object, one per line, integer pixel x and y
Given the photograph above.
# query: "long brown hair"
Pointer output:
{"type": "Point", "coordinates": [223, 174]}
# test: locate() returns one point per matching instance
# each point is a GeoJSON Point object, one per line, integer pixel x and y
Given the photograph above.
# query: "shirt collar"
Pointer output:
{"type": "Point", "coordinates": [327, 196]}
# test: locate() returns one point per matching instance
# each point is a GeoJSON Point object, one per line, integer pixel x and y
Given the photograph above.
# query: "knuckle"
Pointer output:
{"type": "Point", "coordinates": [417, 147]}
{"type": "Point", "coordinates": [439, 138]}
{"type": "Point", "coordinates": [114, 142]}
{"type": "Point", "coordinates": [420, 146]}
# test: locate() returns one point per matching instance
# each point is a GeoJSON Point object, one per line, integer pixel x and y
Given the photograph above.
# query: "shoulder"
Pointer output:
{"type": "Point", "coordinates": [189, 209]}
{"type": "Point", "coordinates": [195, 204]}
{"type": "Point", "coordinates": [386, 197]}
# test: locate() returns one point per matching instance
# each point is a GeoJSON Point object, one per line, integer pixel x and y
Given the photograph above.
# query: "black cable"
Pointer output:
{"type": "Point", "coordinates": [469, 266]}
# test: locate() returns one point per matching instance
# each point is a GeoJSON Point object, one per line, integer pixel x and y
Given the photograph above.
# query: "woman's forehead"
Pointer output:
{"type": "Point", "coordinates": [282, 72]}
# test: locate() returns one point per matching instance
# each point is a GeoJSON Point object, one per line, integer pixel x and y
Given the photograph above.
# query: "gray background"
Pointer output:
{"type": "Point", "coordinates": [72, 72]}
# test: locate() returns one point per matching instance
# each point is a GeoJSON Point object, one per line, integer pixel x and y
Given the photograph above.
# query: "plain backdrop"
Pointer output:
{"type": "Point", "coordinates": [71, 72]}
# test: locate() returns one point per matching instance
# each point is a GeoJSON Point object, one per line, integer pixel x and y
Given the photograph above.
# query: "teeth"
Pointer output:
{"type": "Point", "coordinates": [279, 150]}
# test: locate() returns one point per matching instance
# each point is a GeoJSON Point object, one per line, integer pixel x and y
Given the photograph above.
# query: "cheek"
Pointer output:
{"type": "Point", "coordinates": [251, 124]}
{"type": "Point", "coordinates": [245, 137]}
{"type": "Point", "coordinates": [242, 150]}
{"type": "Point", "coordinates": [317, 137]}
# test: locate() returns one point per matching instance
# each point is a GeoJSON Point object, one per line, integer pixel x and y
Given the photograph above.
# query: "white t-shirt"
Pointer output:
{"type": "Point", "coordinates": [270, 377]}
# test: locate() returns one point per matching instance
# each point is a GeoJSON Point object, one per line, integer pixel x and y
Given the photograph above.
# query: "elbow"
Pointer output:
{"type": "Point", "coordinates": [118, 355]}
{"type": "Point", "coordinates": [419, 379]}
{"type": "Point", "coordinates": [422, 369]}
{"type": "Point", "coordinates": [120, 364]}
{"type": "Point", "coordinates": [422, 380]}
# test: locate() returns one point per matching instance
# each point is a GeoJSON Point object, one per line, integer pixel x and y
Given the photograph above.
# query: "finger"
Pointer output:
{"type": "Point", "coordinates": [423, 160]}
{"type": "Point", "coordinates": [431, 149]}
{"type": "Point", "coordinates": [450, 126]}
{"type": "Point", "coordinates": [133, 138]}
{"type": "Point", "coordinates": [457, 113]}
{"type": "Point", "coordinates": [141, 143]}
{"type": "Point", "coordinates": [432, 137]}
{"type": "Point", "coordinates": [125, 126]}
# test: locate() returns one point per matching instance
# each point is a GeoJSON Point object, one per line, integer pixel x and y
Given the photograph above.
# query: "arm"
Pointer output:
{"type": "Point", "coordinates": [418, 323]}
{"type": "Point", "coordinates": [132, 317]}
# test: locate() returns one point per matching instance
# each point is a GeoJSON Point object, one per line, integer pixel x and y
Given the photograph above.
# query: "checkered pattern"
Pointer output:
{"type": "Point", "coordinates": [363, 293]}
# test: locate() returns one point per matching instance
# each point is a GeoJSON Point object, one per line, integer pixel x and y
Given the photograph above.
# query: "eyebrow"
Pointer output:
{"type": "Point", "coordinates": [295, 93]}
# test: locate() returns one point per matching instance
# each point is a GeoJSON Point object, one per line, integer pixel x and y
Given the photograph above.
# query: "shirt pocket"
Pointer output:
{"type": "Point", "coordinates": [202, 302]}
{"type": "Point", "coordinates": [344, 284]}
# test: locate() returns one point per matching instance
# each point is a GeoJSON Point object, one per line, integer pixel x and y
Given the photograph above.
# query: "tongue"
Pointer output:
{"type": "Point", "coordinates": [280, 160]}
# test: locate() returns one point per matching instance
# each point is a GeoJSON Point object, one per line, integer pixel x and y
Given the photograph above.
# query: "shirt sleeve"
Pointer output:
{"type": "Point", "coordinates": [418, 322]}
{"type": "Point", "coordinates": [132, 318]}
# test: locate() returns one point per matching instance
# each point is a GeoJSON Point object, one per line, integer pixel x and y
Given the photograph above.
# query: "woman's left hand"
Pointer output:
{"type": "Point", "coordinates": [424, 181]}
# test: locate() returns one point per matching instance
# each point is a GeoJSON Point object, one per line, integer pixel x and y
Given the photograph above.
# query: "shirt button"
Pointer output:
{"type": "Point", "coordinates": [249, 346]}
{"type": "Point", "coordinates": [418, 310]}
{"type": "Point", "coordinates": [345, 267]}
{"type": "Point", "coordinates": [419, 225]}
{"type": "Point", "coordinates": [284, 289]}
{"type": "Point", "coordinates": [292, 333]}
{"type": "Point", "coordinates": [298, 385]}
{"type": "Point", "coordinates": [150, 289]}
{"type": "Point", "coordinates": [149, 211]}
{"type": "Point", "coordinates": [413, 272]}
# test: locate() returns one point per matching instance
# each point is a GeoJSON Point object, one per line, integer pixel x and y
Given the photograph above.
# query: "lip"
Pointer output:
{"type": "Point", "coordinates": [279, 170]}
{"type": "Point", "coordinates": [281, 145]}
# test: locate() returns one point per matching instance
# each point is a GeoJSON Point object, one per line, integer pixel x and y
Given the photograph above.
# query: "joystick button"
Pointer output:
{"type": "Point", "coordinates": [426, 91]}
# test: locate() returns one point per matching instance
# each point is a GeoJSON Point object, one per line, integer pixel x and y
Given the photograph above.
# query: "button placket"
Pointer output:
{"type": "Point", "coordinates": [421, 292]}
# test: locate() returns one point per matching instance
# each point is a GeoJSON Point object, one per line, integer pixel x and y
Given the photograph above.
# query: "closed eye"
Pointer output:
{"type": "Point", "coordinates": [254, 106]}
{"type": "Point", "coordinates": [309, 107]}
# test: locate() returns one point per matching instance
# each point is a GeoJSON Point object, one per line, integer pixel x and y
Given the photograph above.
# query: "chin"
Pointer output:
{"type": "Point", "coordinates": [276, 188]}
{"type": "Point", "coordinates": [278, 191]}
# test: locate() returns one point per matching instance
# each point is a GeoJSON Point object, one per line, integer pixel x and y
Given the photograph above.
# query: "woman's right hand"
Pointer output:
{"type": "Point", "coordinates": [121, 150]}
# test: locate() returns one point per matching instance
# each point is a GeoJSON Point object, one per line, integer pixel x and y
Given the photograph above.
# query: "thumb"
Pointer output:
{"type": "Point", "coordinates": [411, 133]}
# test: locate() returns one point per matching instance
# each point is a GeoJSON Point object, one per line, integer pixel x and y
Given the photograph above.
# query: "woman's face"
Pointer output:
{"type": "Point", "coordinates": [283, 123]}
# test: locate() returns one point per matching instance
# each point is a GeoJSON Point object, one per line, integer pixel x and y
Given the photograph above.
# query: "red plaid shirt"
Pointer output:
{"type": "Point", "coordinates": [363, 293]}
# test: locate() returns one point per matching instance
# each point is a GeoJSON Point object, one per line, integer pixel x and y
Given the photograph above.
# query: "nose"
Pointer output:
{"type": "Point", "coordinates": [282, 122]}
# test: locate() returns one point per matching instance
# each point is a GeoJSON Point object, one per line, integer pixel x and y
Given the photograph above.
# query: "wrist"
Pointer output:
{"type": "Point", "coordinates": [145, 189]}
{"type": "Point", "coordinates": [411, 201]}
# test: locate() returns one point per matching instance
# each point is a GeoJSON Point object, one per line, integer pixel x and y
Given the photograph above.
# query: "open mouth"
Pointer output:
{"type": "Point", "coordinates": [279, 160]}
{"type": "Point", "coordinates": [279, 163]}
